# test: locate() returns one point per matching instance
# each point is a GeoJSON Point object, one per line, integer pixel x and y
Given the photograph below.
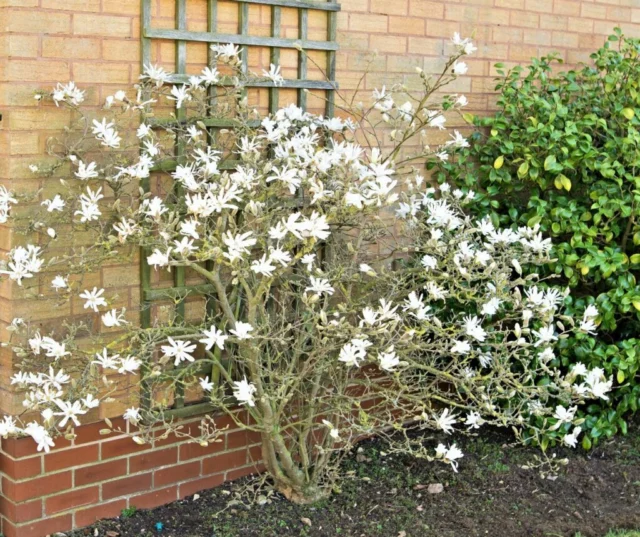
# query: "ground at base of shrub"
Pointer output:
{"type": "Point", "coordinates": [492, 495]}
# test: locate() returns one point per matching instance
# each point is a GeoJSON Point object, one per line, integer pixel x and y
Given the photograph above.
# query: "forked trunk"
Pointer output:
{"type": "Point", "coordinates": [289, 479]}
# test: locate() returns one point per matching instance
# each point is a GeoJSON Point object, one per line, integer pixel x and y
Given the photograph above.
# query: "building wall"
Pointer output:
{"type": "Point", "coordinates": [97, 476]}
{"type": "Point", "coordinates": [96, 43]}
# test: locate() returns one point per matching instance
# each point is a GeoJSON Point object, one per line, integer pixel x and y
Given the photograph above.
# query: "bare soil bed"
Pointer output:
{"type": "Point", "coordinates": [492, 495]}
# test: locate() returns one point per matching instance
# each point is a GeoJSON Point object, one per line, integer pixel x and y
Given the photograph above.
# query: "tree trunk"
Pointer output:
{"type": "Point", "coordinates": [296, 489]}
{"type": "Point", "coordinates": [308, 493]}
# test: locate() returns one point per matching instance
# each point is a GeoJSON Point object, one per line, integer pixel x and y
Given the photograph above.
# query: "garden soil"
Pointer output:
{"type": "Point", "coordinates": [493, 494]}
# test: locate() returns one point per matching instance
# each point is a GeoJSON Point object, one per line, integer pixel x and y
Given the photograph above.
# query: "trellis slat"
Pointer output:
{"type": "Point", "coordinates": [287, 84]}
{"type": "Point", "coordinates": [145, 269]}
{"type": "Point", "coordinates": [276, 23]}
{"type": "Point", "coordinates": [300, 4]}
{"type": "Point", "coordinates": [243, 40]}
{"type": "Point", "coordinates": [303, 34]}
{"type": "Point", "coordinates": [332, 33]}
{"type": "Point", "coordinates": [168, 293]}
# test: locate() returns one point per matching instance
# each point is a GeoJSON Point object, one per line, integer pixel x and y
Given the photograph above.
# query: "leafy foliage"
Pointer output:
{"type": "Point", "coordinates": [562, 151]}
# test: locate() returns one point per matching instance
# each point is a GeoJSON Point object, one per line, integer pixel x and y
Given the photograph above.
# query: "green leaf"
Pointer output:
{"type": "Point", "coordinates": [549, 162]}
{"type": "Point", "coordinates": [628, 113]}
{"type": "Point", "coordinates": [623, 427]}
{"type": "Point", "coordinates": [586, 442]}
{"type": "Point", "coordinates": [497, 164]}
{"type": "Point", "coordinates": [620, 376]}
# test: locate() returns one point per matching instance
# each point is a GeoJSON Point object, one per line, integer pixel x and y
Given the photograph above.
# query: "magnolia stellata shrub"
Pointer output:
{"type": "Point", "coordinates": [312, 328]}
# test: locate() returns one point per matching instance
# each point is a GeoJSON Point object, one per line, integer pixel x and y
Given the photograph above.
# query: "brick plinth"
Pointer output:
{"type": "Point", "coordinates": [96, 476]}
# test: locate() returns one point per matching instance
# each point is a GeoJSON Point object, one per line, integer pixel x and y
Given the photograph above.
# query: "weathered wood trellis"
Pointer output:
{"type": "Point", "coordinates": [181, 36]}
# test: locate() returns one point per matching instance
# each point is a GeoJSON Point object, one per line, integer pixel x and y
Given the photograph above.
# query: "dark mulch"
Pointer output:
{"type": "Point", "coordinates": [386, 496]}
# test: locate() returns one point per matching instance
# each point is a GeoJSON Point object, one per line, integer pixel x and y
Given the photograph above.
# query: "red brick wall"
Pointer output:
{"type": "Point", "coordinates": [96, 476]}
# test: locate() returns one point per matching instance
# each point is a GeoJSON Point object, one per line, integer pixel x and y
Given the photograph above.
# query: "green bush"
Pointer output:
{"type": "Point", "coordinates": [563, 151]}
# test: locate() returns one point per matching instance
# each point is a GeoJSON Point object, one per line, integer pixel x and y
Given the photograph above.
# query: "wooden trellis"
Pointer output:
{"type": "Point", "coordinates": [181, 36]}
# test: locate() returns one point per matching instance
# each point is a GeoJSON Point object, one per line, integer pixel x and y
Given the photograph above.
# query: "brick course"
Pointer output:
{"type": "Point", "coordinates": [75, 494]}
{"type": "Point", "coordinates": [97, 44]}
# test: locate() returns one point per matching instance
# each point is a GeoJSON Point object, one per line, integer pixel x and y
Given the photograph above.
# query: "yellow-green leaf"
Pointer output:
{"type": "Point", "coordinates": [494, 132]}
{"type": "Point", "coordinates": [523, 170]}
{"type": "Point", "coordinates": [628, 113]}
{"type": "Point", "coordinates": [620, 376]}
{"type": "Point", "coordinates": [584, 270]}
{"type": "Point", "coordinates": [636, 304]}
{"type": "Point", "coordinates": [544, 444]}
{"type": "Point", "coordinates": [635, 258]}
{"type": "Point", "coordinates": [498, 162]}
{"type": "Point", "coordinates": [549, 162]}
{"type": "Point", "coordinates": [469, 118]}
{"type": "Point", "coordinates": [586, 442]}
{"type": "Point", "coordinates": [534, 220]}
{"type": "Point", "coordinates": [565, 181]}
{"type": "Point", "coordinates": [558, 183]}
